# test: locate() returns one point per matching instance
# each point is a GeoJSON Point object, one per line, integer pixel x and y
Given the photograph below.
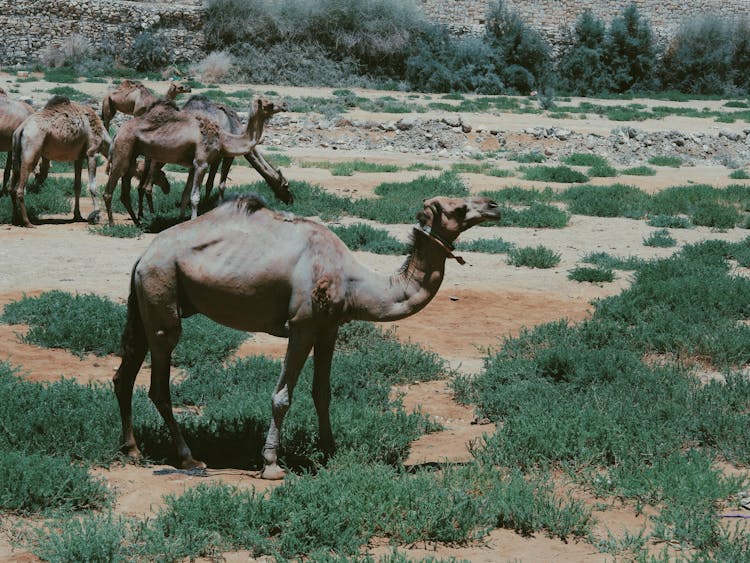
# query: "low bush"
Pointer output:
{"type": "Point", "coordinates": [739, 175]}
{"type": "Point", "coordinates": [638, 171]}
{"type": "Point", "coordinates": [617, 200]}
{"type": "Point", "coordinates": [117, 231]}
{"type": "Point", "coordinates": [489, 246]}
{"type": "Point", "coordinates": [533, 257]}
{"type": "Point", "coordinates": [609, 262]}
{"type": "Point", "coordinates": [367, 238]}
{"type": "Point", "coordinates": [671, 161]}
{"type": "Point", "coordinates": [585, 159]}
{"type": "Point", "coordinates": [34, 483]}
{"type": "Point", "coordinates": [561, 174]}
{"type": "Point", "coordinates": [669, 222]}
{"type": "Point", "coordinates": [661, 239]}
{"type": "Point", "coordinates": [594, 275]}
{"type": "Point", "coordinates": [536, 216]}
{"type": "Point", "coordinates": [605, 171]}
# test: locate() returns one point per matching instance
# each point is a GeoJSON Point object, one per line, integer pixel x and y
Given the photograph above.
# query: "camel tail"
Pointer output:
{"type": "Point", "coordinates": [16, 150]}
{"type": "Point", "coordinates": [133, 343]}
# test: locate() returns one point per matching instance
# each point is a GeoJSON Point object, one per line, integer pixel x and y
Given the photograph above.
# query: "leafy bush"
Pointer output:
{"type": "Point", "coordinates": [150, 51]}
{"type": "Point", "coordinates": [582, 67]}
{"type": "Point", "coordinates": [739, 175]}
{"type": "Point", "coordinates": [639, 171]}
{"type": "Point", "coordinates": [661, 239]}
{"type": "Point", "coordinates": [536, 216]}
{"type": "Point", "coordinates": [117, 231]}
{"type": "Point", "coordinates": [533, 257]}
{"type": "Point", "coordinates": [670, 221]}
{"type": "Point", "coordinates": [602, 171]}
{"type": "Point", "coordinates": [35, 483]}
{"type": "Point", "coordinates": [370, 239]}
{"type": "Point", "coordinates": [525, 55]}
{"type": "Point", "coordinates": [672, 161]}
{"type": "Point", "coordinates": [699, 58]}
{"type": "Point", "coordinates": [585, 159]}
{"type": "Point", "coordinates": [528, 157]}
{"type": "Point", "coordinates": [630, 52]}
{"type": "Point", "coordinates": [489, 246]}
{"type": "Point", "coordinates": [561, 174]}
{"type": "Point", "coordinates": [617, 200]}
{"type": "Point", "coordinates": [595, 275]}
{"type": "Point", "coordinates": [715, 215]}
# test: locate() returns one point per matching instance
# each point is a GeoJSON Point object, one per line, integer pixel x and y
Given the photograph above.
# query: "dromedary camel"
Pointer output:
{"type": "Point", "coordinates": [229, 121]}
{"type": "Point", "coordinates": [64, 131]}
{"type": "Point", "coordinates": [166, 134]}
{"type": "Point", "coordinates": [251, 268]}
{"type": "Point", "coordinates": [134, 98]}
{"type": "Point", "coordinates": [12, 114]}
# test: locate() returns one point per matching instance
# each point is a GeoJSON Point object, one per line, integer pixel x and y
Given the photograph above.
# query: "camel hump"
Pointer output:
{"type": "Point", "coordinates": [198, 101]}
{"type": "Point", "coordinates": [247, 203]}
{"type": "Point", "coordinates": [57, 100]}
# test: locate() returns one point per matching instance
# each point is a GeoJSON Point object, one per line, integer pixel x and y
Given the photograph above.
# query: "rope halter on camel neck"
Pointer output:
{"type": "Point", "coordinates": [441, 242]}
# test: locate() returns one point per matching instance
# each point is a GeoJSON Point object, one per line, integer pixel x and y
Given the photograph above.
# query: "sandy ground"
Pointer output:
{"type": "Point", "coordinates": [479, 304]}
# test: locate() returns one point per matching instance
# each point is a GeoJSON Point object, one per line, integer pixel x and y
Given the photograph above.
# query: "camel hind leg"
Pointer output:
{"type": "Point", "coordinates": [77, 168]}
{"type": "Point", "coordinates": [163, 327]}
{"type": "Point", "coordinates": [134, 350]}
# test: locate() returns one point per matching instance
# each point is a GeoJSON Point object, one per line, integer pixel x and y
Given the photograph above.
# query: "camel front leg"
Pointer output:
{"type": "Point", "coordinates": [187, 191]}
{"type": "Point", "coordinates": [273, 176]}
{"type": "Point", "coordinates": [300, 343]}
{"type": "Point", "coordinates": [226, 164]}
{"type": "Point", "coordinates": [93, 217]}
{"type": "Point", "coordinates": [325, 342]}
{"type": "Point", "coordinates": [41, 175]}
{"type": "Point", "coordinates": [77, 171]}
{"type": "Point", "coordinates": [195, 195]}
{"type": "Point", "coordinates": [17, 189]}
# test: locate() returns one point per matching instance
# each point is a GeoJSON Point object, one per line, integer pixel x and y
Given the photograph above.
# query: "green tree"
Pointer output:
{"type": "Point", "coordinates": [630, 52]}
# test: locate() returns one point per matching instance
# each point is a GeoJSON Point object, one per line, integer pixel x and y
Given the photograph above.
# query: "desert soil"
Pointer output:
{"type": "Point", "coordinates": [479, 304]}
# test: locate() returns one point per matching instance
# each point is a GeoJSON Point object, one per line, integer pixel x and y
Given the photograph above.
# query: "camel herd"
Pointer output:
{"type": "Point", "coordinates": [242, 264]}
{"type": "Point", "coordinates": [202, 135]}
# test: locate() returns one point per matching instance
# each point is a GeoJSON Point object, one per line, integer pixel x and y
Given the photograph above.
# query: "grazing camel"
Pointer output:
{"type": "Point", "coordinates": [63, 131]}
{"type": "Point", "coordinates": [166, 134]}
{"type": "Point", "coordinates": [251, 268]}
{"type": "Point", "coordinates": [229, 121]}
{"type": "Point", "coordinates": [12, 114]}
{"type": "Point", "coordinates": [134, 98]}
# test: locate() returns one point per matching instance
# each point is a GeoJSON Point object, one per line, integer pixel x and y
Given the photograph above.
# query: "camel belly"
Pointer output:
{"type": "Point", "coordinates": [63, 152]}
{"type": "Point", "coordinates": [261, 309]}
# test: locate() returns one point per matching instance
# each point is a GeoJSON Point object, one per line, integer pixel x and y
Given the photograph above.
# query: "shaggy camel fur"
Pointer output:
{"type": "Point", "coordinates": [134, 98]}
{"type": "Point", "coordinates": [63, 131]}
{"type": "Point", "coordinates": [229, 121]}
{"type": "Point", "coordinates": [166, 134]}
{"type": "Point", "coordinates": [251, 268]}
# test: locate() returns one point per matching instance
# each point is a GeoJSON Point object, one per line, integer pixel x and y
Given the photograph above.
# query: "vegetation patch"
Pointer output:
{"type": "Point", "coordinates": [661, 239]}
{"type": "Point", "coordinates": [671, 161]}
{"type": "Point", "coordinates": [561, 174]}
{"type": "Point", "coordinates": [370, 239]}
{"type": "Point", "coordinates": [670, 222]}
{"type": "Point", "coordinates": [638, 171]}
{"type": "Point", "coordinates": [117, 231]}
{"type": "Point", "coordinates": [585, 159]}
{"type": "Point", "coordinates": [594, 275]}
{"type": "Point", "coordinates": [533, 257]}
{"type": "Point", "coordinates": [617, 200]}
{"type": "Point", "coordinates": [489, 246]}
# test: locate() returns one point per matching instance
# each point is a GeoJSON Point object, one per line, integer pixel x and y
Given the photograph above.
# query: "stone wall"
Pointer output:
{"type": "Point", "coordinates": [31, 26]}
{"type": "Point", "coordinates": [555, 17]}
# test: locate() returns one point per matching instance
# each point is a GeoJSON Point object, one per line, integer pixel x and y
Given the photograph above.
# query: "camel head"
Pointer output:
{"type": "Point", "coordinates": [446, 217]}
{"type": "Point", "coordinates": [176, 87]}
{"type": "Point", "coordinates": [266, 108]}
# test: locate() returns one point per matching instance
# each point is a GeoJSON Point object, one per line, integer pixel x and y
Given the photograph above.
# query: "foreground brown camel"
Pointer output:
{"type": "Point", "coordinates": [229, 121]}
{"type": "Point", "coordinates": [63, 131]}
{"type": "Point", "coordinates": [12, 114]}
{"type": "Point", "coordinates": [251, 268]}
{"type": "Point", "coordinates": [166, 134]}
{"type": "Point", "coordinates": [134, 98]}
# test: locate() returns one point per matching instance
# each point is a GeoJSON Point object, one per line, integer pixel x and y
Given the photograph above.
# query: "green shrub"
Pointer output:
{"type": "Point", "coordinates": [595, 275]}
{"type": "Point", "coordinates": [582, 67]}
{"type": "Point", "coordinates": [536, 216]}
{"type": "Point", "coordinates": [661, 239]}
{"type": "Point", "coordinates": [489, 246]}
{"type": "Point", "coordinates": [150, 51]}
{"type": "Point", "coordinates": [97, 538]}
{"type": "Point", "coordinates": [117, 231]}
{"type": "Point", "coordinates": [715, 215]}
{"type": "Point", "coordinates": [739, 175]}
{"type": "Point", "coordinates": [64, 74]}
{"type": "Point", "coordinates": [533, 257]}
{"type": "Point", "coordinates": [607, 261]}
{"type": "Point", "coordinates": [370, 239]}
{"type": "Point", "coordinates": [34, 483]}
{"type": "Point", "coordinates": [561, 174]}
{"type": "Point", "coordinates": [630, 52]}
{"type": "Point", "coordinates": [43, 200]}
{"type": "Point", "coordinates": [585, 159]}
{"type": "Point", "coordinates": [672, 161]}
{"type": "Point", "coordinates": [605, 171]}
{"type": "Point", "coordinates": [617, 200]}
{"type": "Point", "coordinates": [698, 59]}
{"type": "Point", "coordinates": [669, 221]}
{"type": "Point", "coordinates": [639, 171]}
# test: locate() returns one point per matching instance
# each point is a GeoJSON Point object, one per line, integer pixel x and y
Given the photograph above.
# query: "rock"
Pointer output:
{"type": "Point", "coordinates": [562, 134]}
{"type": "Point", "coordinates": [407, 123]}
{"type": "Point", "coordinates": [452, 120]}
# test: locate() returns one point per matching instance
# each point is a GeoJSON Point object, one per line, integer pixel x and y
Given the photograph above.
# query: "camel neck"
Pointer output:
{"type": "Point", "coordinates": [389, 298]}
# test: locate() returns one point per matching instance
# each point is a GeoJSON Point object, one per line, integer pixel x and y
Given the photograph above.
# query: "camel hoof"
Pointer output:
{"type": "Point", "coordinates": [272, 472]}
{"type": "Point", "coordinates": [133, 453]}
{"type": "Point", "coordinates": [93, 218]}
{"type": "Point", "coordinates": [193, 464]}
